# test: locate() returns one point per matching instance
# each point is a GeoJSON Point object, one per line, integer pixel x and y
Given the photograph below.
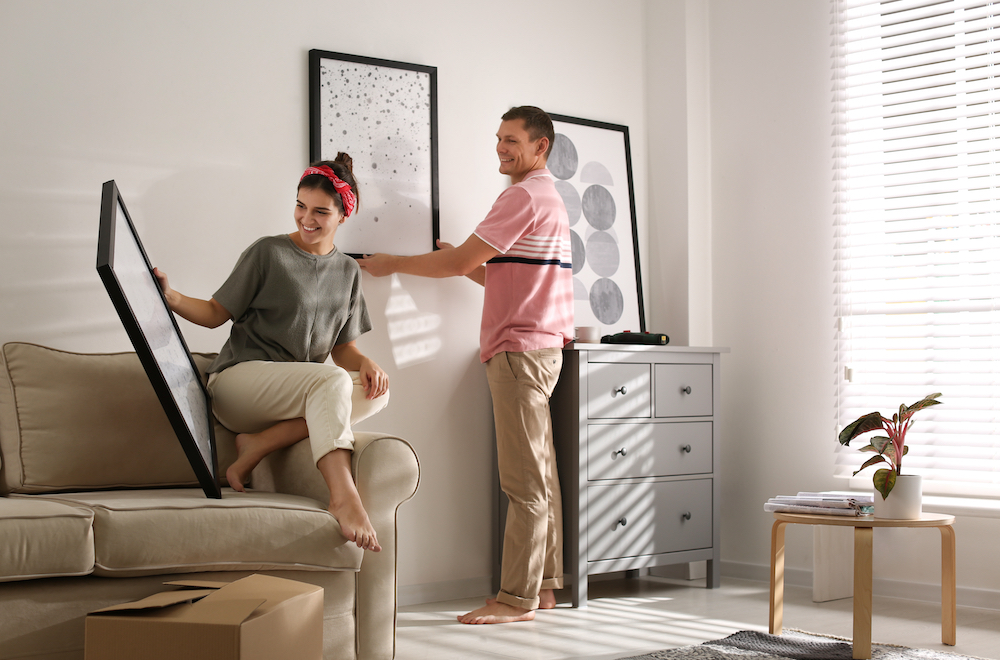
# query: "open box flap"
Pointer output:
{"type": "Point", "coordinates": [160, 600]}
{"type": "Point", "coordinates": [277, 590]}
{"type": "Point", "coordinates": [198, 584]}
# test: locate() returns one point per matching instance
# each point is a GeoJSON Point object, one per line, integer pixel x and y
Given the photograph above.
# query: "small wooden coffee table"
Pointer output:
{"type": "Point", "coordinates": [863, 527]}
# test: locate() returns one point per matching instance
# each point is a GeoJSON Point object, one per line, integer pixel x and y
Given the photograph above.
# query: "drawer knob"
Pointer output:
{"type": "Point", "coordinates": [621, 451]}
{"type": "Point", "coordinates": [686, 449]}
{"type": "Point", "coordinates": [686, 390]}
{"type": "Point", "coordinates": [621, 390]}
{"type": "Point", "coordinates": [686, 515]}
{"type": "Point", "coordinates": [621, 521]}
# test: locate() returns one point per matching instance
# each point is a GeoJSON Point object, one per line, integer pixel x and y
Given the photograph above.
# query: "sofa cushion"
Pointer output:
{"type": "Point", "coordinates": [44, 539]}
{"type": "Point", "coordinates": [146, 532]}
{"type": "Point", "coordinates": [72, 421]}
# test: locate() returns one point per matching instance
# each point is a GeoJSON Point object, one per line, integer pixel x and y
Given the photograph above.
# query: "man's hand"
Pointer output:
{"type": "Point", "coordinates": [378, 265]}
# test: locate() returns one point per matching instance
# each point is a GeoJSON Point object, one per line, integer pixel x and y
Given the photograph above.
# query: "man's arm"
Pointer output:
{"type": "Point", "coordinates": [466, 259]}
{"type": "Point", "coordinates": [478, 274]}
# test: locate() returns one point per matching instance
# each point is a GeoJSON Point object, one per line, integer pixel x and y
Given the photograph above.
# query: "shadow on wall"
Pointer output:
{"type": "Point", "coordinates": [412, 333]}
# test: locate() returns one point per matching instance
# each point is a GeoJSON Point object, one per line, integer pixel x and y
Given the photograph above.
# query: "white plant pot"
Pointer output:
{"type": "Point", "coordinates": [904, 501]}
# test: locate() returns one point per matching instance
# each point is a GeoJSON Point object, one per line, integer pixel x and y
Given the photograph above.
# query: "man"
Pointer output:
{"type": "Point", "coordinates": [527, 319]}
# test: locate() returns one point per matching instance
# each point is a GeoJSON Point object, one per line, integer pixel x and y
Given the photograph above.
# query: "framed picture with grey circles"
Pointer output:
{"type": "Point", "coordinates": [592, 165]}
{"type": "Point", "coordinates": [384, 115]}
{"type": "Point", "coordinates": [128, 278]}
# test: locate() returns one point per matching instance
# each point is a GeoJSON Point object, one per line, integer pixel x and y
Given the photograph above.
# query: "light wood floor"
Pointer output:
{"type": "Point", "coordinates": [631, 616]}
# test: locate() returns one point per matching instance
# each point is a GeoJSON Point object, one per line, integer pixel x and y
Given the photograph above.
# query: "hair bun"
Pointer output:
{"type": "Point", "coordinates": [345, 160]}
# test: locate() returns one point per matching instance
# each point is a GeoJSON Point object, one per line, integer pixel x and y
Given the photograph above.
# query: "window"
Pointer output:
{"type": "Point", "coordinates": [917, 244]}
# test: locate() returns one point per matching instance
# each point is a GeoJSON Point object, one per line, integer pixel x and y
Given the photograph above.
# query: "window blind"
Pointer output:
{"type": "Point", "coordinates": [917, 236]}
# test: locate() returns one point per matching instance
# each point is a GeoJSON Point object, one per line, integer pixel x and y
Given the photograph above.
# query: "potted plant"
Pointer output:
{"type": "Point", "coordinates": [890, 449]}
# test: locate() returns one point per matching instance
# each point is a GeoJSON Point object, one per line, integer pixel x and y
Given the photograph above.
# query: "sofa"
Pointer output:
{"type": "Point", "coordinates": [100, 506]}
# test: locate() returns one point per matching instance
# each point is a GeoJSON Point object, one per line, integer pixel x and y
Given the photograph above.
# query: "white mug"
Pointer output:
{"type": "Point", "coordinates": [588, 334]}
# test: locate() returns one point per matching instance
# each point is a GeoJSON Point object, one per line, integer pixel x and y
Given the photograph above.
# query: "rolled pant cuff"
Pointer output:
{"type": "Point", "coordinates": [552, 583]}
{"type": "Point", "coordinates": [514, 601]}
{"type": "Point", "coordinates": [319, 450]}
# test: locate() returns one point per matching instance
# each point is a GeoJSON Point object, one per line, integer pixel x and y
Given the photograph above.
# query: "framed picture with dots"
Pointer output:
{"type": "Point", "coordinates": [384, 115]}
{"type": "Point", "coordinates": [592, 165]}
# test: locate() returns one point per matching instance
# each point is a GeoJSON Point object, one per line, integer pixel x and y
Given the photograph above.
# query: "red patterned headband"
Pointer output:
{"type": "Point", "coordinates": [346, 194]}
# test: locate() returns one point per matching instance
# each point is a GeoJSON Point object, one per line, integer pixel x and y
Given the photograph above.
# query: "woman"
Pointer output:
{"type": "Point", "coordinates": [294, 300]}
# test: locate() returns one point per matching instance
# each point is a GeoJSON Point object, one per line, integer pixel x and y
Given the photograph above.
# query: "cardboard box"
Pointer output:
{"type": "Point", "coordinates": [258, 617]}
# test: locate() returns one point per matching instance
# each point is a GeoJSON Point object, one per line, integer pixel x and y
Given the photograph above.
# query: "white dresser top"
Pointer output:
{"type": "Point", "coordinates": [583, 346]}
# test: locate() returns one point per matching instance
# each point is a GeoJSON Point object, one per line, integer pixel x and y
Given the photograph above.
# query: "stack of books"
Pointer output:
{"type": "Point", "coordinates": [823, 504]}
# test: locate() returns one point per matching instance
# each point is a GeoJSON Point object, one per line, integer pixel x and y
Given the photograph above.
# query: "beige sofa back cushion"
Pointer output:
{"type": "Point", "coordinates": [72, 421]}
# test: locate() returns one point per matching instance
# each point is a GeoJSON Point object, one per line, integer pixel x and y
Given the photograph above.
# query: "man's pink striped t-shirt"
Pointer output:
{"type": "Point", "coordinates": [529, 285]}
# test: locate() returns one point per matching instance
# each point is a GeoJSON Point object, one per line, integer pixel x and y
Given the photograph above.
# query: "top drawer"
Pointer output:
{"type": "Point", "coordinates": [618, 390]}
{"type": "Point", "coordinates": [683, 390]}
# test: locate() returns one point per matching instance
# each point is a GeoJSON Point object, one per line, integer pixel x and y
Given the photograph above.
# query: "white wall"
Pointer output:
{"type": "Point", "coordinates": [679, 270]}
{"type": "Point", "coordinates": [772, 241]}
{"type": "Point", "coordinates": [199, 111]}
{"type": "Point", "coordinates": [666, 99]}
{"type": "Point", "coordinates": [771, 200]}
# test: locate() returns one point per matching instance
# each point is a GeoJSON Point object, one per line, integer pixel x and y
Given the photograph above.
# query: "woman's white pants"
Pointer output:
{"type": "Point", "coordinates": [251, 396]}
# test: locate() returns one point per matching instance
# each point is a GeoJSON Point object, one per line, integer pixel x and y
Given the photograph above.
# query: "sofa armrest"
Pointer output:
{"type": "Point", "coordinates": [291, 471]}
{"type": "Point", "coordinates": [387, 472]}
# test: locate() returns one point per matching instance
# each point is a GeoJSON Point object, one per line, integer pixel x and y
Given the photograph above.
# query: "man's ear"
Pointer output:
{"type": "Point", "coordinates": [543, 146]}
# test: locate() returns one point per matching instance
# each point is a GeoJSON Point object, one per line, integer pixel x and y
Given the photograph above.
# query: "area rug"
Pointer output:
{"type": "Point", "coordinates": [792, 645]}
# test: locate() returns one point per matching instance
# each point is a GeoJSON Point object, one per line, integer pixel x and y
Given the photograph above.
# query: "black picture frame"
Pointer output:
{"type": "Point", "coordinates": [128, 277]}
{"type": "Point", "coordinates": [592, 164]}
{"type": "Point", "coordinates": [384, 115]}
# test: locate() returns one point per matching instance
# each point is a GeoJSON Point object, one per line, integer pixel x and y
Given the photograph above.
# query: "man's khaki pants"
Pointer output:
{"type": "Point", "coordinates": [521, 384]}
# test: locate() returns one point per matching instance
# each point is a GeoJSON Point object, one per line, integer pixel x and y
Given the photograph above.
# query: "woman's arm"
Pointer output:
{"type": "Point", "coordinates": [207, 313]}
{"type": "Point", "coordinates": [373, 379]}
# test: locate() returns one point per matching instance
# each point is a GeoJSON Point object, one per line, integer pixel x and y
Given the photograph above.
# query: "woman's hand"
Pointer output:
{"type": "Point", "coordinates": [168, 293]}
{"type": "Point", "coordinates": [373, 379]}
{"type": "Point", "coordinates": [207, 313]}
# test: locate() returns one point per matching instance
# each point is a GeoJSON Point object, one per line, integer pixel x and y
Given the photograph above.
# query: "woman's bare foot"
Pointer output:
{"type": "Point", "coordinates": [345, 502]}
{"type": "Point", "coordinates": [251, 448]}
{"type": "Point", "coordinates": [355, 525]}
{"type": "Point", "coordinates": [496, 612]}
{"type": "Point", "coordinates": [238, 473]}
{"type": "Point", "coordinates": [546, 599]}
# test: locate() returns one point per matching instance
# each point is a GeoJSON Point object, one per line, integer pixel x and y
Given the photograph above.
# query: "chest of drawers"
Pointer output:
{"type": "Point", "coordinates": [637, 438]}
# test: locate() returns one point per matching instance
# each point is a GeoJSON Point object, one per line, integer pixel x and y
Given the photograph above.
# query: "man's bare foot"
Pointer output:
{"type": "Point", "coordinates": [546, 599]}
{"type": "Point", "coordinates": [238, 473]}
{"type": "Point", "coordinates": [497, 613]}
{"type": "Point", "coordinates": [355, 525]}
